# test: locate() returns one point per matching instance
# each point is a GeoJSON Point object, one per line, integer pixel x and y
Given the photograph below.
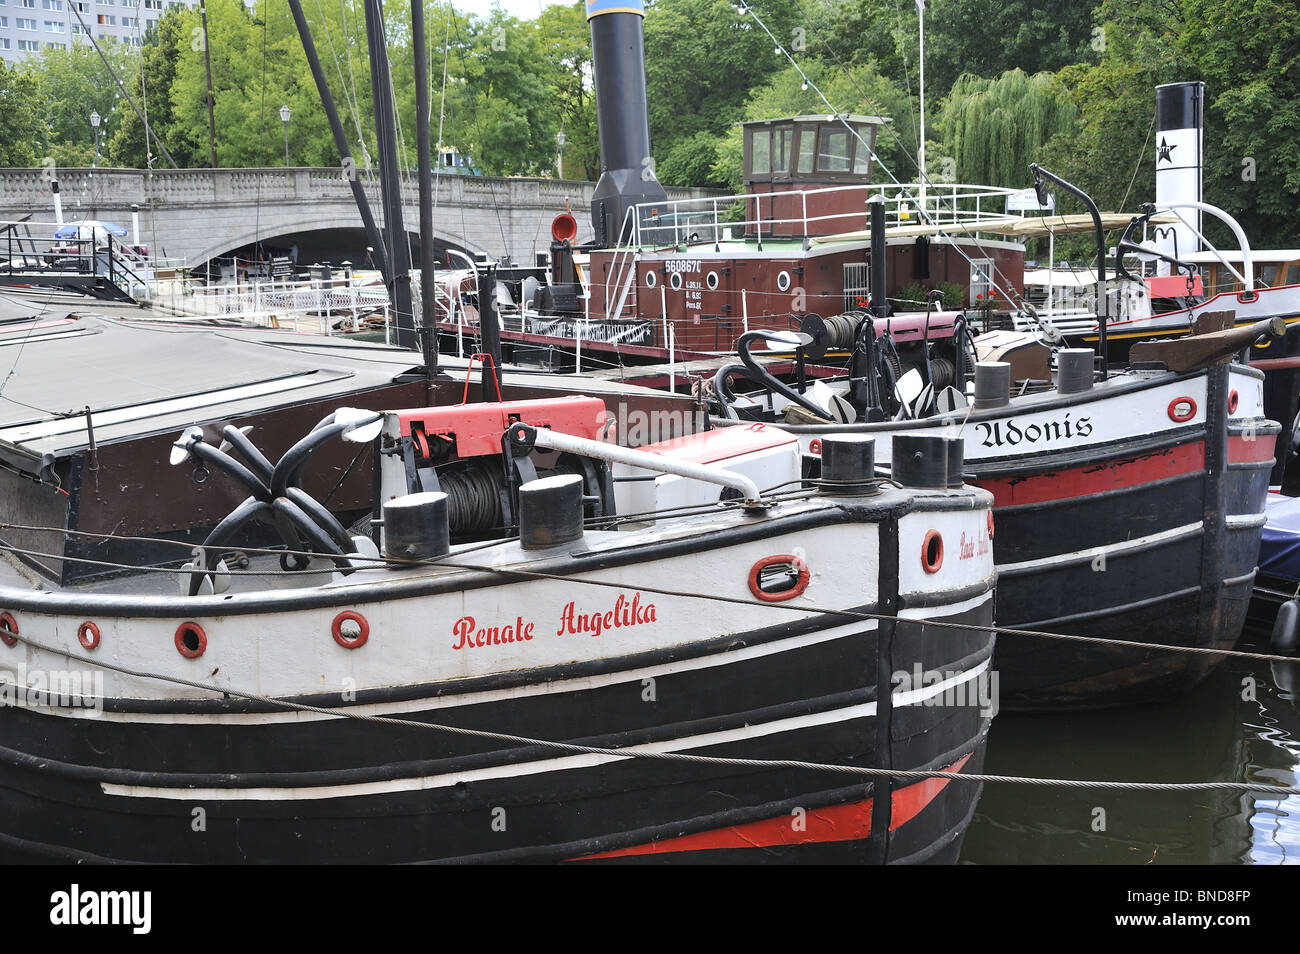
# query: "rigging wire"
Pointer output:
{"type": "Point", "coordinates": [652, 755]}
{"type": "Point", "coordinates": [349, 97]}
{"type": "Point", "coordinates": [923, 212]}
{"type": "Point", "coordinates": [1141, 160]}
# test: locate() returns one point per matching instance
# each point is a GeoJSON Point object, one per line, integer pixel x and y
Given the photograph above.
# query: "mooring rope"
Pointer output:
{"type": "Point", "coordinates": [571, 748]}
{"type": "Point", "coordinates": [523, 574]}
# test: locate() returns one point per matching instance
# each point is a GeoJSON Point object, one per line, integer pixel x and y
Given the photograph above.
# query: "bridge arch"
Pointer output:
{"type": "Point", "coordinates": [321, 220]}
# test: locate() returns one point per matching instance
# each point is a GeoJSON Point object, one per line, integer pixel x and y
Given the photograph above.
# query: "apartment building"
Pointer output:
{"type": "Point", "coordinates": [28, 26]}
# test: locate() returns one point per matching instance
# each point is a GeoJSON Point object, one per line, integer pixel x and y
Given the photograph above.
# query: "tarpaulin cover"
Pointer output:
{"type": "Point", "coordinates": [1279, 549]}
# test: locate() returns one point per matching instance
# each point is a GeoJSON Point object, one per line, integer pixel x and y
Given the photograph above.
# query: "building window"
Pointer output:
{"type": "Point", "coordinates": [30, 46]}
{"type": "Point", "coordinates": [55, 46]}
{"type": "Point", "coordinates": [4, 42]}
{"type": "Point", "coordinates": [857, 286]}
{"type": "Point", "coordinates": [981, 278]}
{"type": "Point", "coordinates": [51, 4]}
{"type": "Point", "coordinates": [30, 4]}
{"type": "Point", "coordinates": [25, 24]}
{"type": "Point", "coordinates": [53, 26]}
{"type": "Point", "coordinates": [4, 21]}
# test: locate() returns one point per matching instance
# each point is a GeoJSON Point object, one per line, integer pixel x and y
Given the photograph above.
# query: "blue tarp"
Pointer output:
{"type": "Point", "coordinates": [1279, 548]}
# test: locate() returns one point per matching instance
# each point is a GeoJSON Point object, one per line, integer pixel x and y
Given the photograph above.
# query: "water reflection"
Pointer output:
{"type": "Point", "coordinates": [1242, 724]}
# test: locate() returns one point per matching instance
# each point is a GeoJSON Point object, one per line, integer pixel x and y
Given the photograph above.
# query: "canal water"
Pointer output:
{"type": "Point", "coordinates": [1241, 724]}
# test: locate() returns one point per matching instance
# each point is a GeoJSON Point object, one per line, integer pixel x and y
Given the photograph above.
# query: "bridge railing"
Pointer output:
{"type": "Point", "coordinates": [28, 189]}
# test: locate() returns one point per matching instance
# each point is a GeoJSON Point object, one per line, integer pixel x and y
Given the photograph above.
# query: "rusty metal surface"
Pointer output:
{"type": "Point", "coordinates": [1201, 351]}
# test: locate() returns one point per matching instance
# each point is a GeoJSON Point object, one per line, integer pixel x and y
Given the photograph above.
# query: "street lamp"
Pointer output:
{"type": "Point", "coordinates": [284, 118]}
{"type": "Point", "coordinates": [559, 142]}
{"type": "Point", "coordinates": [94, 162]}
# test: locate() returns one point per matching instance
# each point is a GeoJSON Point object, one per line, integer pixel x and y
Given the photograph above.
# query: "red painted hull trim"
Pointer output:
{"type": "Point", "coordinates": [851, 822]}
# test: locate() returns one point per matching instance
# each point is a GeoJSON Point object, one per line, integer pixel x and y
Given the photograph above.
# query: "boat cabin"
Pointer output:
{"type": "Point", "coordinates": [803, 162]}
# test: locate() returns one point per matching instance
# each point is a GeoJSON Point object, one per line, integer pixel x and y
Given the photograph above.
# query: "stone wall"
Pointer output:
{"type": "Point", "coordinates": [196, 214]}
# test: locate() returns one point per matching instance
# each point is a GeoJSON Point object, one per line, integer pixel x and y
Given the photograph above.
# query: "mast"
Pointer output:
{"type": "Point", "coordinates": [428, 323]}
{"type": "Point", "coordinates": [373, 235]}
{"type": "Point", "coordinates": [207, 69]}
{"type": "Point", "coordinates": [399, 285]}
{"type": "Point", "coordinates": [920, 149]}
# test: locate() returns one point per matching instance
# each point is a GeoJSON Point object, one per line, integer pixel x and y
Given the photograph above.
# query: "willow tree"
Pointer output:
{"type": "Point", "coordinates": [995, 127]}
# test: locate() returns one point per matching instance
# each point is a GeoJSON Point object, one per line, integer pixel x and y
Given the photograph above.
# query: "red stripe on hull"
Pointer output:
{"type": "Point", "coordinates": [1088, 479]}
{"type": "Point", "coordinates": [851, 822]}
{"type": "Point", "coordinates": [1243, 449]}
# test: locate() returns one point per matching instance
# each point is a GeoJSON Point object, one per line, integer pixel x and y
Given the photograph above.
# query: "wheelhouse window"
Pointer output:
{"type": "Point", "coordinates": [834, 150]}
{"type": "Point", "coordinates": [761, 163]}
{"type": "Point", "coordinates": [861, 152]}
{"type": "Point", "coordinates": [782, 140]}
{"type": "Point", "coordinates": [807, 149]}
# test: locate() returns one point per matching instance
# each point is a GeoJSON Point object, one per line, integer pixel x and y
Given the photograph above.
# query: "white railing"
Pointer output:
{"type": "Point", "coordinates": [301, 305]}
{"type": "Point", "coordinates": [703, 219]}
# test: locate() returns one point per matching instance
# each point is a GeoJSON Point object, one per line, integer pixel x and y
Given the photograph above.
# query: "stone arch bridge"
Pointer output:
{"type": "Point", "coordinates": [200, 214]}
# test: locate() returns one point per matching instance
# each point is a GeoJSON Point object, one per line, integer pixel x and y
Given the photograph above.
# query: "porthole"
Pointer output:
{"type": "Point", "coordinates": [711, 280]}
{"type": "Point", "coordinates": [783, 281]}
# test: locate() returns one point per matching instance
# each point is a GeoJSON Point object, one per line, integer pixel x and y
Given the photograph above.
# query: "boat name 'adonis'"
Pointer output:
{"type": "Point", "coordinates": [1010, 434]}
{"type": "Point", "coordinates": [625, 613]}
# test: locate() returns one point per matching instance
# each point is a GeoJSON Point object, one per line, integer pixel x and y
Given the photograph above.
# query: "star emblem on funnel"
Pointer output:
{"type": "Point", "coordinates": [1163, 150]}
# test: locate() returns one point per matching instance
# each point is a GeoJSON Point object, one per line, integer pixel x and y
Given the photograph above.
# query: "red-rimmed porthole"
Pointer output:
{"type": "Point", "coordinates": [9, 625]}
{"type": "Point", "coordinates": [191, 641]}
{"type": "Point", "coordinates": [355, 634]}
{"type": "Point", "coordinates": [88, 635]}
{"type": "Point", "coordinates": [932, 551]}
{"type": "Point", "coordinates": [1232, 401]}
{"type": "Point", "coordinates": [782, 576]}
{"type": "Point", "coordinates": [815, 447]}
{"type": "Point", "coordinates": [1182, 409]}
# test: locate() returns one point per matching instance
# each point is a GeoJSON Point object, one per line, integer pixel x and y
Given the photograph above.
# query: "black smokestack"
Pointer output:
{"type": "Point", "coordinates": [627, 174]}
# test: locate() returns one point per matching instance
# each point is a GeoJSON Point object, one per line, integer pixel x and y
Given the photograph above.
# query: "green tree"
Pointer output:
{"type": "Point", "coordinates": [160, 54]}
{"type": "Point", "coordinates": [1109, 152]}
{"type": "Point", "coordinates": [860, 90]}
{"type": "Point", "coordinates": [991, 37]}
{"type": "Point", "coordinates": [1249, 56]}
{"type": "Point", "coordinates": [996, 127]}
{"type": "Point", "coordinates": [566, 40]}
{"type": "Point", "coordinates": [508, 114]}
{"type": "Point", "coordinates": [22, 134]}
{"type": "Point", "coordinates": [703, 59]}
{"type": "Point", "coordinates": [74, 83]}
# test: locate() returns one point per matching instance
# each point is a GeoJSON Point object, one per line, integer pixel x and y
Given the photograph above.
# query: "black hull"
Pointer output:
{"type": "Point", "coordinates": [1156, 542]}
{"type": "Point", "coordinates": [76, 788]}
